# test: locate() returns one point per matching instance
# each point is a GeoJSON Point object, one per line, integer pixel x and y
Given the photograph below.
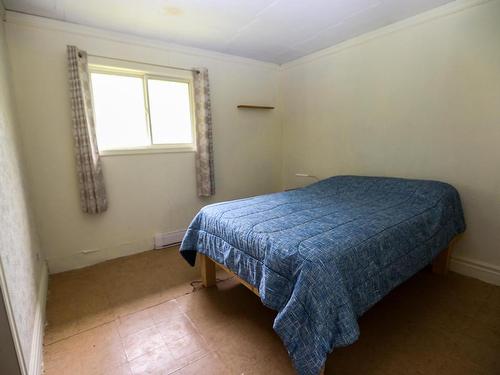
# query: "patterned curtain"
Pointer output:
{"type": "Point", "coordinates": [88, 163]}
{"type": "Point", "coordinates": [205, 154]}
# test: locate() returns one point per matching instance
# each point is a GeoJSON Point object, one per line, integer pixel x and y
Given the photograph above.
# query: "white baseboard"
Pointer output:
{"type": "Point", "coordinates": [36, 360]}
{"type": "Point", "coordinates": [479, 270]}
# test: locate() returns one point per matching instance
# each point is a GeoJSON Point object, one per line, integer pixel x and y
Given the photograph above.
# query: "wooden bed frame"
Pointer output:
{"type": "Point", "coordinates": [440, 266]}
{"type": "Point", "coordinates": [208, 267]}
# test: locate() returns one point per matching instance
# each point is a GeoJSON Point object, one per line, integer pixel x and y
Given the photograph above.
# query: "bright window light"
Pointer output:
{"type": "Point", "coordinates": [119, 111]}
{"type": "Point", "coordinates": [169, 107]}
{"type": "Point", "coordinates": [138, 112]}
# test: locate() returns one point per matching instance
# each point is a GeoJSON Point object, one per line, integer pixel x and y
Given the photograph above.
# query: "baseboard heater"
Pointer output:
{"type": "Point", "coordinates": [163, 240]}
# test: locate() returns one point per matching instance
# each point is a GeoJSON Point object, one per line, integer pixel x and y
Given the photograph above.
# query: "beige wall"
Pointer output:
{"type": "Point", "coordinates": [420, 100]}
{"type": "Point", "coordinates": [147, 193]}
{"type": "Point", "coordinates": [20, 265]}
{"type": "Point", "coordinates": [416, 99]}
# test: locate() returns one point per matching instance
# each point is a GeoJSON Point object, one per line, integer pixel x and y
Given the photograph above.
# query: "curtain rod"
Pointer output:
{"type": "Point", "coordinates": [145, 63]}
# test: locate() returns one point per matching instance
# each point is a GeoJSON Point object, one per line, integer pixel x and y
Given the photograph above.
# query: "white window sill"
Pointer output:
{"type": "Point", "coordinates": [146, 150]}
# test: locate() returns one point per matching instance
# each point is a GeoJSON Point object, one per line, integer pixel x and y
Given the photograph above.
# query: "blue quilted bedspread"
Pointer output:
{"type": "Point", "coordinates": [324, 254]}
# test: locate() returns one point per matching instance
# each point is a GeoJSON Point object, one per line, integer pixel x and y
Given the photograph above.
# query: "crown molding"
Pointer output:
{"type": "Point", "coordinates": [428, 16]}
{"type": "Point", "coordinates": [29, 20]}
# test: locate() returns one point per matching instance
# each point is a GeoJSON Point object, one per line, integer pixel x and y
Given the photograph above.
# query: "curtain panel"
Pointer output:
{"type": "Point", "coordinates": [205, 154]}
{"type": "Point", "coordinates": [93, 198]}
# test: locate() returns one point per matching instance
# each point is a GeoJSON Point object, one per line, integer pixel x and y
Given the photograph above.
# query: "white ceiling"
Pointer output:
{"type": "Point", "coordinates": [269, 30]}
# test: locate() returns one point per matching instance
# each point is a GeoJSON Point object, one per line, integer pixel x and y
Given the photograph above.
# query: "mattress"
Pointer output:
{"type": "Point", "coordinates": [323, 255]}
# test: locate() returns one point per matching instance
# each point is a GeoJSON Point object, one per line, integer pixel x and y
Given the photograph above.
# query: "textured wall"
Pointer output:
{"type": "Point", "coordinates": [18, 241]}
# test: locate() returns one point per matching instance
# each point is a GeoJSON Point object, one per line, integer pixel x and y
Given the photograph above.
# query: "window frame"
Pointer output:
{"type": "Point", "coordinates": [145, 76]}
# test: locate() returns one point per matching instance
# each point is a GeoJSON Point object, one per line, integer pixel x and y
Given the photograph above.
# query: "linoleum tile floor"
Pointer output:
{"type": "Point", "coordinates": [148, 314]}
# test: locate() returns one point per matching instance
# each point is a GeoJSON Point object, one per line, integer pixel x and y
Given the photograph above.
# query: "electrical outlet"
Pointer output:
{"type": "Point", "coordinates": [89, 251]}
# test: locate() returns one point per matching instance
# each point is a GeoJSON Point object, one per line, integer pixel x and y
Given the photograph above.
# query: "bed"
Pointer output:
{"type": "Point", "coordinates": [322, 255]}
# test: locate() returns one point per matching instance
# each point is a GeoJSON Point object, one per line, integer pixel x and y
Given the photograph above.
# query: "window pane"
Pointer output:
{"type": "Point", "coordinates": [170, 113]}
{"type": "Point", "coordinates": [119, 111]}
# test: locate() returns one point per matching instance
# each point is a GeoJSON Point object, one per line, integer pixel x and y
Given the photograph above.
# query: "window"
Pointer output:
{"type": "Point", "coordinates": [140, 112]}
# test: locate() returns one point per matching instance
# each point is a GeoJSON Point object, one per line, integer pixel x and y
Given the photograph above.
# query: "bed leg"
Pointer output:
{"type": "Point", "coordinates": [441, 262]}
{"type": "Point", "coordinates": [207, 270]}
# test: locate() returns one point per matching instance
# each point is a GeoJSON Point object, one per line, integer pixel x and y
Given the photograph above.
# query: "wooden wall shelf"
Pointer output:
{"type": "Point", "coordinates": [247, 106]}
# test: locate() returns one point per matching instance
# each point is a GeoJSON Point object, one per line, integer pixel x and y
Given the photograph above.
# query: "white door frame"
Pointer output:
{"type": "Point", "coordinates": [12, 321]}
